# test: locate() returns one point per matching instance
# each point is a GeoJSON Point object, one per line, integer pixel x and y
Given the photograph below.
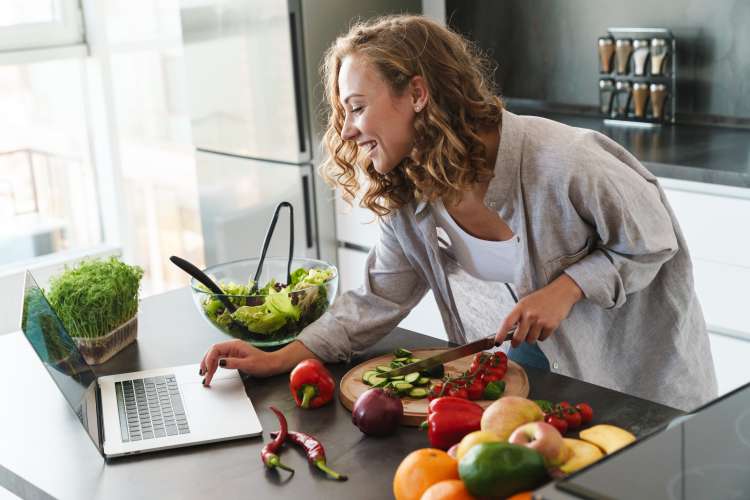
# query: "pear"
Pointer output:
{"type": "Point", "coordinates": [609, 438]}
{"type": "Point", "coordinates": [582, 454]}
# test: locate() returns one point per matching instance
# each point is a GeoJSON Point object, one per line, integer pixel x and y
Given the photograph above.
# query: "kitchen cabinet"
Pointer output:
{"type": "Point", "coordinates": [716, 221]}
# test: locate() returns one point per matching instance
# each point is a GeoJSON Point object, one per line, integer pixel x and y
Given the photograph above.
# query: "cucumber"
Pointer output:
{"type": "Point", "coordinates": [402, 353]}
{"type": "Point", "coordinates": [414, 360]}
{"type": "Point", "coordinates": [418, 393]}
{"type": "Point", "coordinates": [423, 381]}
{"type": "Point", "coordinates": [411, 377]}
{"type": "Point", "coordinates": [383, 368]}
{"type": "Point", "coordinates": [397, 377]}
{"type": "Point", "coordinates": [402, 387]}
{"type": "Point", "coordinates": [366, 376]}
{"type": "Point", "coordinates": [376, 381]}
{"type": "Point", "coordinates": [400, 361]}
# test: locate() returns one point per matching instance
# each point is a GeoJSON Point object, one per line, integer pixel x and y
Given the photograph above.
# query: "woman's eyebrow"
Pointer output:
{"type": "Point", "coordinates": [350, 96]}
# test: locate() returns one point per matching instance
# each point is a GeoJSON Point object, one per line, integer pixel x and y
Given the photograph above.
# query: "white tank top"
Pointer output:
{"type": "Point", "coordinates": [483, 259]}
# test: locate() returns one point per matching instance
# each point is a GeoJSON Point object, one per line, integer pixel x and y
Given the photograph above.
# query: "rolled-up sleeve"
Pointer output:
{"type": "Point", "coordinates": [359, 318]}
{"type": "Point", "coordinates": [636, 234]}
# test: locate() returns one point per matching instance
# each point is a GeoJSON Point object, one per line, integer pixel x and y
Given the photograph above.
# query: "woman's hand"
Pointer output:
{"type": "Point", "coordinates": [539, 314]}
{"type": "Point", "coordinates": [239, 355]}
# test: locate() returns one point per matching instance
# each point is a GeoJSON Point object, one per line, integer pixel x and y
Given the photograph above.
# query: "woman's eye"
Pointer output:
{"type": "Point", "coordinates": [357, 110]}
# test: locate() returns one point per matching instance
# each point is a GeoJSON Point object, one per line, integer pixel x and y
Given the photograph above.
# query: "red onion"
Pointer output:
{"type": "Point", "coordinates": [377, 412]}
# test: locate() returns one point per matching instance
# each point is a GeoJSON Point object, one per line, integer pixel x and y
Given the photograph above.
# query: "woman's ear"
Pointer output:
{"type": "Point", "coordinates": [419, 93]}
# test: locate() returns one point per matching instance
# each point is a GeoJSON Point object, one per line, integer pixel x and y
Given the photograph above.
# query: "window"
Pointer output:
{"type": "Point", "coordinates": [30, 24]}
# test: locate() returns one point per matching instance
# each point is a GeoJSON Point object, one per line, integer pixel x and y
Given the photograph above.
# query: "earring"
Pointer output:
{"type": "Point", "coordinates": [418, 109]}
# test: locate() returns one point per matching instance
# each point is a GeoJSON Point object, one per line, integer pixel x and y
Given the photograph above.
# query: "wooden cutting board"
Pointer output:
{"type": "Point", "coordinates": [415, 410]}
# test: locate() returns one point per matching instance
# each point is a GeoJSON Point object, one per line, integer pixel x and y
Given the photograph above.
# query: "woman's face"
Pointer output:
{"type": "Point", "coordinates": [381, 123]}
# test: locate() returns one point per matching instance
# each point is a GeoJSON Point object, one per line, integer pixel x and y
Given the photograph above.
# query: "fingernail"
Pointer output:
{"type": "Point", "coordinates": [497, 344]}
{"type": "Point", "coordinates": [200, 372]}
{"type": "Point", "coordinates": [222, 362]}
{"type": "Point", "coordinates": [204, 381]}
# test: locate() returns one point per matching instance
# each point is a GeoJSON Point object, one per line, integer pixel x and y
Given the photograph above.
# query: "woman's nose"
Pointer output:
{"type": "Point", "coordinates": [348, 131]}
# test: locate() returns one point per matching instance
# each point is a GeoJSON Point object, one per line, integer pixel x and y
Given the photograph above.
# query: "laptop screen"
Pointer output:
{"type": "Point", "coordinates": [61, 357]}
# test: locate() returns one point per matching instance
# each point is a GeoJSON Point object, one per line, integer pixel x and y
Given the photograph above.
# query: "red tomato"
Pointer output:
{"type": "Point", "coordinates": [475, 389]}
{"type": "Point", "coordinates": [572, 417]}
{"type": "Point", "coordinates": [587, 413]}
{"type": "Point", "coordinates": [457, 391]}
{"type": "Point", "coordinates": [479, 362]}
{"type": "Point", "coordinates": [564, 405]}
{"type": "Point", "coordinates": [557, 422]}
{"type": "Point", "coordinates": [490, 376]}
{"type": "Point", "coordinates": [435, 392]}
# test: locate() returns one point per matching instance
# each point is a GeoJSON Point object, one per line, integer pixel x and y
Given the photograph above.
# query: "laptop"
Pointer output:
{"type": "Point", "coordinates": [136, 412]}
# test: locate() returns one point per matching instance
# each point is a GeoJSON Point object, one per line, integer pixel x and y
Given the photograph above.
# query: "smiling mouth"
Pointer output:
{"type": "Point", "coordinates": [369, 146]}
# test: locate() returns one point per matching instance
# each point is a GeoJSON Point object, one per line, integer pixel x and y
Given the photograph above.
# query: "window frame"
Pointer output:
{"type": "Point", "coordinates": [67, 31]}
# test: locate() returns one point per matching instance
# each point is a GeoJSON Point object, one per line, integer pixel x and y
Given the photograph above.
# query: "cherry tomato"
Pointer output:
{"type": "Point", "coordinates": [475, 389]}
{"type": "Point", "coordinates": [457, 391]}
{"type": "Point", "coordinates": [572, 417]}
{"type": "Point", "coordinates": [587, 413]}
{"type": "Point", "coordinates": [490, 376]}
{"type": "Point", "coordinates": [479, 362]}
{"type": "Point", "coordinates": [435, 392]}
{"type": "Point", "coordinates": [564, 405]}
{"type": "Point", "coordinates": [557, 422]}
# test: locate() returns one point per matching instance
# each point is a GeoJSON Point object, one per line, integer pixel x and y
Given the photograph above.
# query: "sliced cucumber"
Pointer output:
{"type": "Point", "coordinates": [403, 387]}
{"type": "Point", "coordinates": [411, 377]}
{"type": "Point", "coordinates": [400, 360]}
{"type": "Point", "coordinates": [418, 393]}
{"type": "Point", "coordinates": [397, 377]}
{"type": "Point", "coordinates": [383, 368]}
{"type": "Point", "coordinates": [423, 381]}
{"type": "Point", "coordinates": [414, 360]}
{"type": "Point", "coordinates": [366, 376]}
{"type": "Point", "coordinates": [376, 381]}
{"type": "Point", "coordinates": [402, 353]}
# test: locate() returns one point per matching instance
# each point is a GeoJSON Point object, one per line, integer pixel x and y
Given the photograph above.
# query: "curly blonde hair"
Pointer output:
{"type": "Point", "coordinates": [448, 157]}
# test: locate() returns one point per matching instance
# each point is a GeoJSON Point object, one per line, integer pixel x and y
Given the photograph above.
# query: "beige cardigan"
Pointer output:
{"type": "Point", "coordinates": [582, 205]}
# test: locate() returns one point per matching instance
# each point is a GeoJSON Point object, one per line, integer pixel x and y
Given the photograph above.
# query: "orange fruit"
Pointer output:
{"type": "Point", "coordinates": [420, 470]}
{"type": "Point", "coordinates": [524, 495]}
{"type": "Point", "coordinates": [450, 489]}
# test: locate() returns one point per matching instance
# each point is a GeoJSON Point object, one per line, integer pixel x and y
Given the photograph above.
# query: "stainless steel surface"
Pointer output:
{"type": "Point", "coordinates": [449, 355]}
{"type": "Point", "coordinates": [243, 71]}
{"type": "Point", "coordinates": [623, 49]}
{"type": "Point", "coordinates": [237, 199]}
{"type": "Point", "coordinates": [640, 56]}
{"type": "Point", "coordinates": [658, 96]}
{"type": "Point", "coordinates": [659, 53]}
{"type": "Point", "coordinates": [640, 96]}
{"type": "Point", "coordinates": [606, 93]}
{"type": "Point", "coordinates": [606, 51]}
{"type": "Point", "coordinates": [622, 98]}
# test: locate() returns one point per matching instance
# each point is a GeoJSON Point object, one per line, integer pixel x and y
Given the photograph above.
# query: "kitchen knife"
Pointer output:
{"type": "Point", "coordinates": [446, 356]}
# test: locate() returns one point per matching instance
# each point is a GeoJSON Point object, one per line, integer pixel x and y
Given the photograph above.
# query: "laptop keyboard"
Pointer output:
{"type": "Point", "coordinates": [150, 408]}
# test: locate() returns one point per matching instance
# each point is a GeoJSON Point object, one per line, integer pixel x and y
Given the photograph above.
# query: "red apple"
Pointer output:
{"type": "Point", "coordinates": [543, 438]}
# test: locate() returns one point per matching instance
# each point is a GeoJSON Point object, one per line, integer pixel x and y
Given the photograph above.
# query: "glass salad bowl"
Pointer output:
{"type": "Point", "coordinates": [273, 314]}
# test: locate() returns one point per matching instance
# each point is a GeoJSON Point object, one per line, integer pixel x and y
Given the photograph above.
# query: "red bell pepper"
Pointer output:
{"type": "Point", "coordinates": [449, 419]}
{"type": "Point", "coordinates": [311, 384]}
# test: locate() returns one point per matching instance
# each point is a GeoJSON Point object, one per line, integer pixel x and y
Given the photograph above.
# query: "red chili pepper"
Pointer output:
{"type": "Point", "coordinates": [269, 452]}
{"type": "Point", "coordinates": [450, 419]}
{"type": "Point", "coordinates": [316, 454]}
{"type": "Point", "coordinates": [311, 384]}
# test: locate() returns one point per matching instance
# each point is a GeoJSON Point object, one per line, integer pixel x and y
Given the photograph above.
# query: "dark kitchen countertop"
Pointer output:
{"type": "Point", "coordinates": [171, 332]}
{"type": "Point", "coordinates": [699, 153]}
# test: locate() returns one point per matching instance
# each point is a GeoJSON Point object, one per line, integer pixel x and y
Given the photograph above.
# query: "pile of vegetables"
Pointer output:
{"type": "Point", "coordinates": [95, 297]}
{"type": "Point", "coordinates": [277, 309]}
{"type": "Point", "coordinates": [413, 385]}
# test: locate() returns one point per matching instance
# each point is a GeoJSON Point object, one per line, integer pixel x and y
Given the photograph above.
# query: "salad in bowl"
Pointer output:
{"type": "Point", "coordinates": [271, 312]}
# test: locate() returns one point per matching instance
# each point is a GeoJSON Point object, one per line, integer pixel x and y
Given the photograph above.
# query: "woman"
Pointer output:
{"type": "Point", "coordinates": [568, 217]}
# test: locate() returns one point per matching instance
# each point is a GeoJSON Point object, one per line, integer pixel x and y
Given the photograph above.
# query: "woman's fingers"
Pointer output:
{"type": "Point", "coordinates": [211, 359]}
{"type": "Point", "coordinates": [510, 320]}
{"type": "Point", "coordinates": [534, 333]}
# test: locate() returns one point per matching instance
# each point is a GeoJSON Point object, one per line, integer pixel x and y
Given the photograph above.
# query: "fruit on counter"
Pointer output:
{"type": "Point", "coordinates": [475, 438]}
{"type": "Point", "coordinates": [609, 438]}
{"type": "Point", "coordinates": [501, 469]}
{"type": "Point", "coordinates": [582, 454]}
{"type": "Point", "coordinates": [377, 412]}
{"type": "Point", "coordinates": [508, 413]}
{"type": "Point", "coordinates": [543, 438]}
{"type": "Point", "coordinates": [449, 419]}
{"type": "Point", "coordinates": [421, 469]}
{"type": "Point", "coordinates": [573, 416]}
{"type": "Point", "coordinates": [524, 495]}
{"type": "Point", "coordinates": [311, 384]}
{"type": "Point", "coordinates": [450, 489]}
{"type": "Point", "coordinates": [453, 451]}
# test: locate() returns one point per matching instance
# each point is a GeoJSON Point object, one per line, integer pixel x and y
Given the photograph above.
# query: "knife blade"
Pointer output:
{"type": "Point", "coordinates": [446, 356]}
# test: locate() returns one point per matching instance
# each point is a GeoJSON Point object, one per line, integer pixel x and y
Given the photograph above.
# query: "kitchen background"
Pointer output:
{"type": "Point", "coordinates": [132, 133]}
